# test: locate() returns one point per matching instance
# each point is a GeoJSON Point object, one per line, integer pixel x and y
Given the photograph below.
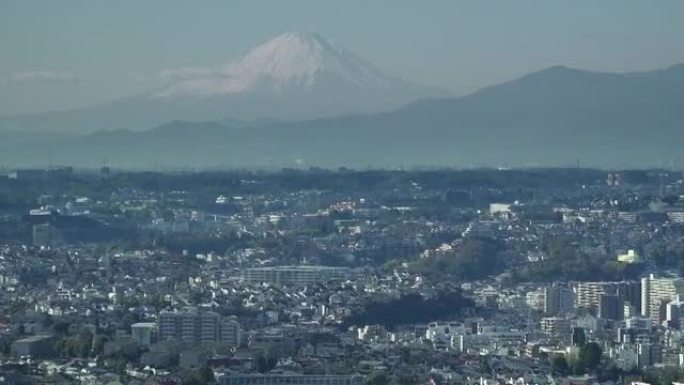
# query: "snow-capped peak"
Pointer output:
{"type": "Point", "coordinates": [290, 60]}
{"type": "Point", "coordinates": [290, 57]}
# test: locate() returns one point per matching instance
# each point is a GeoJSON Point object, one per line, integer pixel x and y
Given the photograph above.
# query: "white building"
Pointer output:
{"type": "Point", "coordinates": [675, 312]}
{"type": "Point", "coordinates": [143, 332]}
{"type": "Point", "coordinates": [655, 292]}
{"type": "Point", "coordinates": [555, 326]}
{"type": "Point", "coordinates": [630, 256]}
{"type": "Point", "coordinates": [443, 331]}
{"type": "Point", "coordinates": [198, 327]}
{"type": "Point", "coordinates": [295, 275]}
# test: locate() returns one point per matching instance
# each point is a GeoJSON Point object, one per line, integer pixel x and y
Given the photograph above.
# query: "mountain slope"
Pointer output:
{"type": "Point", "coordinates": [291, 77]}
{"type": "Point", "coordinates": [561, 98]}
{"type": "Point", "coordinates": [553, 117]}
{"type": "Point", "coordinates": [291, 62]}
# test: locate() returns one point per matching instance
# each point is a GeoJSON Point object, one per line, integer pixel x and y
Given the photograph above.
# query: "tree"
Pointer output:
{"type": "Point", "coordinates": [609, 372]}
{"type": "Point", "coordinates": [61, 327]}
{"type": "Point", "coordinates": [662, 375]}
{"type": "Point", "coordinates": [589, 358]}
{"type": "Point", "coordinates": [127, 320]}
{"type": "Point", "coordinates": [266, 360]}
{"type": "Point", "coordinates": [47, 320]}
{"type": "Point", "coordinates": [378, 378]}
{"type": "Point", "coordinates": [560, 365]}
{"type": "Point", "coordinates": [99, 341]}
{"type": "Point", "coordinates": [669, 375]}
{"type": "Point", "coordinates": [473, 258]}
{"type": "Point", "coordinates": [201, 376]}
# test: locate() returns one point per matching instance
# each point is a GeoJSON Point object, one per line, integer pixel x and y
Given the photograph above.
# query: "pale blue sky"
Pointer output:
{"type": "Point", "coordinates": [65, 54]}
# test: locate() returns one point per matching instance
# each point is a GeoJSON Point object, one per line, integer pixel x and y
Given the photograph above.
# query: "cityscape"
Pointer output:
{"type": "Point", "coordinates": [342, 277]}
{"type": "Point", "coordinates": [341, 193]}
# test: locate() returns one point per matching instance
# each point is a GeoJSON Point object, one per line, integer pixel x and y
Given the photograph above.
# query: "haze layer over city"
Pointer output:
{"type": "Point", "coordinates": [342, 193]}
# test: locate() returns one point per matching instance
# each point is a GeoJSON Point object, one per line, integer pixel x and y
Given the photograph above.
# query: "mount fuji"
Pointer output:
{"type": "Point", "coordinates": [294, 76]}
{"type": "Point", "coordinates": [291, 62]}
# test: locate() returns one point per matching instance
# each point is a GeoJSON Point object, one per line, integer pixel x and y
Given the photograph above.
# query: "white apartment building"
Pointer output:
{"type": "Point", "coordinates": [294, 275]}
{"type": "Point", "coordinates": [199, 327]}
{"type": "Point", "coordinates": [655, 292]}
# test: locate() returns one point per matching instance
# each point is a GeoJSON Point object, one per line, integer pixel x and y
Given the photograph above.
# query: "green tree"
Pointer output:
{"type": "Point", "coordinates": [201, 376]}
{"type": "Point", "coordinates": [47, 320]}
{"type": "Point", "coordinates": [127, 320]}
{"type": "Point", "coordinates": [99, 341]}
{"type": "Point", "coordinates": [609, 372]}
{"type": "Point", "coordinates": [560, 365]}
{"type": "Point", "coordinates": [378, 378]}
{"type": "Point", "coordinates": [61, 327]}
{"type": "Point", "coordinates": [266, 360]}
{"type": "Point", "coordinates": [589, 358]}
{"type": "Point", "coordinates": [473, 258]}
{"type": "Point", "coordinates": [668, 375]}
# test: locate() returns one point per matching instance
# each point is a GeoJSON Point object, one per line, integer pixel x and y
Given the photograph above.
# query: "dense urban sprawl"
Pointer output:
{"type": "Point", "coordinates": [540, 276]}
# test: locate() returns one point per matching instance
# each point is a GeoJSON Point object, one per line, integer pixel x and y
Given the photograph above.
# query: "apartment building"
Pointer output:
{"type": "Point", "coordinates": [199, 327]}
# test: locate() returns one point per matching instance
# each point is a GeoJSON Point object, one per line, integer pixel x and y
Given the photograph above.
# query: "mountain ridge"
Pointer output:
{"type": "Point", "coordinates": [549, 118]}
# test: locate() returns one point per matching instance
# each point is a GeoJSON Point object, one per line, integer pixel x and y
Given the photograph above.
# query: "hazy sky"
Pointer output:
{"type": "Point", "coordinates": [65, 54]}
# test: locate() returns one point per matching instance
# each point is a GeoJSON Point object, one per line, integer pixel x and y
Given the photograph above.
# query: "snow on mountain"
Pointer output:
{"type": "Point", "coordinates": [294, 76]}
{"type": "Point", "coordinates": [293, 60]}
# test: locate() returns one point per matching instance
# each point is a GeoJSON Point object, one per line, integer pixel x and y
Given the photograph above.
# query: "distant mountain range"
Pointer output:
{"type": "Point", "coordinates": [555, 117]}
{"type": "Point", "coordinates": [293, 76]}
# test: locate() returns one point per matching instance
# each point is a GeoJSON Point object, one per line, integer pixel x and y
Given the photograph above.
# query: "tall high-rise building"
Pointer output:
{"type": "Point", "coordinates": [629, 291]}
{"type": "Point", "coordinates": [588, 294]}
{"type": "Point", "coordinates": [656, 292]}
{"type": "Point", "coordinates": [675, 313]}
